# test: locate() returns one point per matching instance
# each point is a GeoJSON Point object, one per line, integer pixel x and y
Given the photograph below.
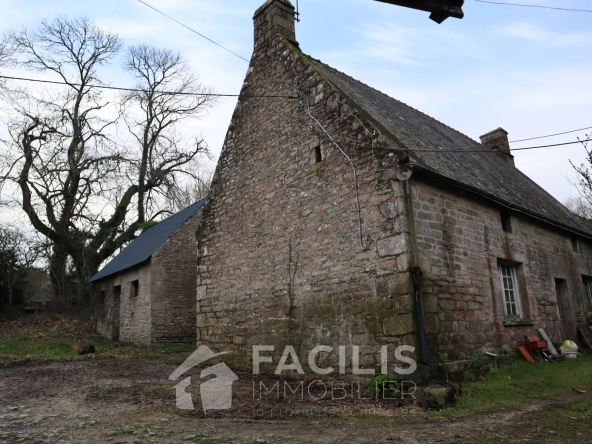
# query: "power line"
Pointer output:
{"type": "Point", "coordinates": [442, 150]}
{"type": "Point", "coordinates": [534, 6]}
{"type": "Point", "coordinates": [551, 135]}
{"type": "Point", "coordinates": [458, 150]}
{"type": "Point", "coordinates": [482, 150]}
{"type": "Point", "coordinates": [172, 93]}
{"type": "Point", "coordinates": [194, 31]}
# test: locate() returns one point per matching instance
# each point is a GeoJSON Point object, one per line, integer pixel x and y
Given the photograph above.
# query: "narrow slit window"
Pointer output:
{"type": "Point", "coordinates": [506, 221]}
{"type": "Point", "coordinates": [576, 245]}
{"type": "Point", "coordinates": [316, 155]}
{"type": "Point", "coordinates": [510, 292]}
{"type": "Point", "coordinates": [135, 288]}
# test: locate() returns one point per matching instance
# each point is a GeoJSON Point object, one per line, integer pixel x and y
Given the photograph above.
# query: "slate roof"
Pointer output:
{"type": "Point", "coordinates": [146, 244]}
{"type": "Point", "coordinates": [42, 295]}
{"type": "Point", "coordinates": [450, 155]}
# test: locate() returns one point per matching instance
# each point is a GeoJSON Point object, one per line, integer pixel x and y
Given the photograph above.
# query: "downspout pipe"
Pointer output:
{"type": "Point", "coordinates": [416, 273]}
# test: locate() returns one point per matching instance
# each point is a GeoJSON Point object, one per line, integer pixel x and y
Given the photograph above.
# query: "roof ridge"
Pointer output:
{"type": "Point", "coordinates": [392, 98]}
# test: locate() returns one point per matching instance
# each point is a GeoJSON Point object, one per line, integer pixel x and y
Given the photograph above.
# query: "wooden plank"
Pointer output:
{"type": "Point", "coordinates": [583, 333]}
{"type": "Point", "coordinates": [525, 354]}
{"type": "Point", "coordinates": [550, 345]}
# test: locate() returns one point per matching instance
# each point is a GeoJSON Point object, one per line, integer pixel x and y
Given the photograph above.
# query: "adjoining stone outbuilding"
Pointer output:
{"type": "Point", "coordinates": [146, 294]}
{"type": "Point", "coordinates": [340, 216]}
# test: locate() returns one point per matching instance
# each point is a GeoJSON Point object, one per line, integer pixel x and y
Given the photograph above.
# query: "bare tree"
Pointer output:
{"type": "Point", "coordinates": [579, 206]}
{"type": "Point", "coordinates": [168, 93]}
{"type": "Point", "coordinates": [82, 190]}
{"type": "Point", "coordinates": [582, 206]}
{"type": "Point", "coordinates": [6, 52]}
{"type": "Point", "coordinates": [197, 188]}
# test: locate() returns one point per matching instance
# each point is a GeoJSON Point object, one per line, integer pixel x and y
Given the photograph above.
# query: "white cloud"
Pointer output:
{"type": "Point", "coordinates": [533, 32]}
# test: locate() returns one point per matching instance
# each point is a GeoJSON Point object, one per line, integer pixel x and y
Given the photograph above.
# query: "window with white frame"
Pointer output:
{"type": "Point", "coordinates": [510, 292]}
{"type": "Point", "coordinates": [587, 293]}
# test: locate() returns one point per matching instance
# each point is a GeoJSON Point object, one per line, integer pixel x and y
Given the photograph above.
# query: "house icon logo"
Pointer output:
{"type": "Point", "coordinates": [216, 393]}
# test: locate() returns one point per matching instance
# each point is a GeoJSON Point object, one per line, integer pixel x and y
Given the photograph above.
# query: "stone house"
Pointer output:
{"type": "Point", "coordinates": [341, 216]}
{"type": "Point", "coordinates": [146, 294]}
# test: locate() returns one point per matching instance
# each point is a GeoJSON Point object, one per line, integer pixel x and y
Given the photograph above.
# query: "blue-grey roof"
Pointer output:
{"type": "Point", "coordinates": [144, 246]}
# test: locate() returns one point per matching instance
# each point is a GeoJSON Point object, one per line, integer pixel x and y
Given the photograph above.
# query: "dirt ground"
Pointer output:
{"type": "Point", "coordinates": [115, 400]}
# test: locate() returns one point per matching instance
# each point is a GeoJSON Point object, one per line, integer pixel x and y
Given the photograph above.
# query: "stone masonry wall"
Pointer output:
{"type": "Point", "coordinates": [461, 240]}
{"type": "Point", "coordinates": [135, 312]}
{"type": "Point", "coordinates": [280, 256]}
{"type": "Point", "coordinates": [174, 277]}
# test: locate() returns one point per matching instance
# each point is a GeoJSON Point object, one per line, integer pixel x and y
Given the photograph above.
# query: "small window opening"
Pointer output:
{"type": "Point", "coordinates": [506, 221]}
{"type": "Point", "coordinates": [316, 155]}
{"type": "Point", "coordinates": [135, 288]}
{"type": "Point", "coordinates": [101, 298]}
{"type": "Point", "coordinates": [576, 245]}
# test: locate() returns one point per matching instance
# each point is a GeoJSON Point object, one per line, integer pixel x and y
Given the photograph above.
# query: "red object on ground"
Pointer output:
{"type": "Point", "coordinates": [525, 354]}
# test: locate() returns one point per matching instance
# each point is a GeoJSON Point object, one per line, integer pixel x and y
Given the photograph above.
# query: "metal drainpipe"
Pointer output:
{"type": "Point", "coordinates": [416, 273]}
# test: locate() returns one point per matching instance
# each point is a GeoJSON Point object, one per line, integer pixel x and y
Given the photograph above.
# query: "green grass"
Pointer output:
{"type": "Point", "coordinates": [521, 383]}
{"type": "Point", "coordinates": [514, 385]}
{"type": "Point", "coordinates": [16, 347]}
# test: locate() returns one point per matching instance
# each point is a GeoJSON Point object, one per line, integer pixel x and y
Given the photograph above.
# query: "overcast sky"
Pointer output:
{"type": "Point", "coordinates": [527, 70]}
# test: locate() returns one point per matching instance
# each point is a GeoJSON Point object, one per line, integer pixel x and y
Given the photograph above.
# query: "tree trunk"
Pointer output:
{"type": "Point", "coordinates": [59, 278]}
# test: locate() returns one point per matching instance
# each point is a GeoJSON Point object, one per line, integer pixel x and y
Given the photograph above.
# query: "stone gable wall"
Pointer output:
{"type": "Point", "coordinates": [174, 277]}
{"type": "Point", "coordinates": [280, 255]}
{"type": "Point", "coordinates": [461, 240]}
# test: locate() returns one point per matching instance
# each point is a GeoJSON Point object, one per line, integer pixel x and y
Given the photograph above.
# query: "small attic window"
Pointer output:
{"type": "Point", "coordinates": [506, 221]}
{"type": "Point", "coordinates": [134, 288]}
{"type": "Point", "coordinates": [576, 245]}
{"type": "Point", "coordinates": [315, 155]}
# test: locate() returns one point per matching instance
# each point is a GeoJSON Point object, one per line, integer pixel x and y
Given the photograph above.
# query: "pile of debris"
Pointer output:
{"type": "Point", "coordinates": [538, 346]}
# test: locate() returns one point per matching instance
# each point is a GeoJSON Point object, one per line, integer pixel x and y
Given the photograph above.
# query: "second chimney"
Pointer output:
{"type": "Point", "coordinates": [497, 141]}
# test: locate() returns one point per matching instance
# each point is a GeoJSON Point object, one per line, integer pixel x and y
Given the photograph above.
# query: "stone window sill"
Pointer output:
{"type": "Point", "coordinates": [518, 322]}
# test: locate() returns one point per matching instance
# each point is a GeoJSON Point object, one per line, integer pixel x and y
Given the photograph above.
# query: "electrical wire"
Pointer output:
{"type": "Point", "coordinates": [476, 145]}
{"type": "Point", "coordinates": [172, 93]}
{"type": "Point", "coordinates": [453, 150]}
{"type": "Point", "coordinates": [271, 96]}
{"type": "Point", "coordinates": [194, 31]}
{"type": "Point", "coordinates": [551, 135]}
{"type": "Point", "coordinates": [534, 6]}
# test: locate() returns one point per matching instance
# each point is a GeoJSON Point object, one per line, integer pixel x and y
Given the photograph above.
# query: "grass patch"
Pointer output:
{"type": "Point", "coordinates": [14, 348]}
{"type": "Point", "coordinates": [59, 338]}
{"type": "Point", "coordinates": [521, 383]}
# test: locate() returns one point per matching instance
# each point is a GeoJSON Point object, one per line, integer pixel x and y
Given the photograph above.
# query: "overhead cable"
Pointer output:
{"type": "Point", "coordinates": [534, 6]}
{"type": "Point", "coordinates": [194, 31]}
{"type": "Point", "coordinates": [172, 93]}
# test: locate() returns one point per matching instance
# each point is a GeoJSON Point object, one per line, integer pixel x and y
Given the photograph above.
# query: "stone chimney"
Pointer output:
{"type": "Point", "coordinates": [274, 17]}
{"type": "Point", "coordinates": [497, 141]}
